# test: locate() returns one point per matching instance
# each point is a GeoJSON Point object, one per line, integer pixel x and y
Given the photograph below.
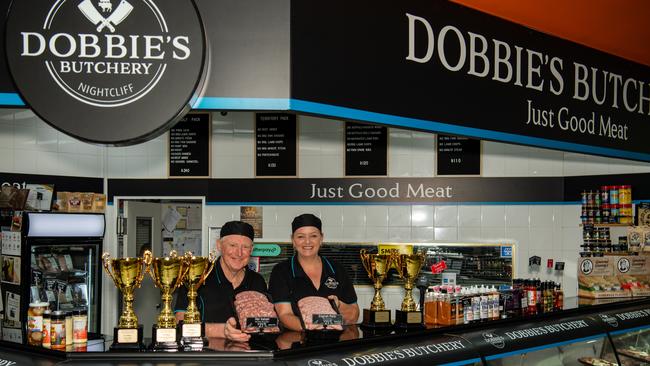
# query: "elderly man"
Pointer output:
{"type": "Point", "coordinates": [230, 276]}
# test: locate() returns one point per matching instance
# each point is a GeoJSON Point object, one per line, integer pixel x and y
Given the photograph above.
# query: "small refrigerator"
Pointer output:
{"type": "Point", "coordinates": [64, 251]}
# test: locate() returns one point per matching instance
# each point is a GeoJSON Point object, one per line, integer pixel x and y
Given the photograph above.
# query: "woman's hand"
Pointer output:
{"type": "Point", "coordinates": [231, 332]}
{"type": "Point", "coordinates": [336, 300]}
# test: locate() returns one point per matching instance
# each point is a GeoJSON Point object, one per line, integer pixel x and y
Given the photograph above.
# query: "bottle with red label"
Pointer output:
{"type": "Point", "coordinates": [531, 292]}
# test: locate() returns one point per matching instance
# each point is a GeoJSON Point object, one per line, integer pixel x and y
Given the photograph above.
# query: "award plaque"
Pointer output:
{"type": "Point", "coordinates": [192, 328]}
{"type": "Point", "coordinates": [127, 274]}
{"type": "Point", "coordinates": [167, 274]}
{"type": "Point", "coordinates": [377, 266]}
{"type": "Point", "coordinates": [408, 267]}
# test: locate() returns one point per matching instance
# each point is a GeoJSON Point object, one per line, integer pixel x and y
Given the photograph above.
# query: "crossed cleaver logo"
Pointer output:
{"type": "Point", "coordinates": [120, 13]}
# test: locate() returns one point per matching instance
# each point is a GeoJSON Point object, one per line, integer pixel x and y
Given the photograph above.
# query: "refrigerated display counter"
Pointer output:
{"type": "Point", "coordinates": [614, 333]}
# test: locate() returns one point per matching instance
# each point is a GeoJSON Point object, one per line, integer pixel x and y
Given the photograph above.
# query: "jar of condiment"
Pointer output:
{"type": "Point", "coordinates": [57, 332]}
{"type": "Point", "coordinates": [35, 323]}
{"type": "Point", "coordinates": [68, 328]}
{"type": "Point", "coordinates": [625, 194]}
{"type": "Point", "coordinates": [47, 325]}
{"type": "Point", "coordinates": [626, 214]}
{"type": "Point", "coordinates": [604, 195]}
{"type": "Point", "coordinates": [80, 326]}
{"type": "Point", "coordinates": [614, 213]}
{"type": "Point", "coordinates": [613, 195]}
{"type": "Point", "coordinates": [605, 212]}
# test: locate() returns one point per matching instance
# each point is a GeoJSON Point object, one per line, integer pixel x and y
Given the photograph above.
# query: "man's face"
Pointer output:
{"type": "Point", "coordinates": [235, 251]}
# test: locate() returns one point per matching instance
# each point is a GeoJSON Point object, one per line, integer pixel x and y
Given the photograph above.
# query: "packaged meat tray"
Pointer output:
{"type": "Point", "coordinates": [255, 313]}
{"type": "Point", "coordinates": [318, 313]}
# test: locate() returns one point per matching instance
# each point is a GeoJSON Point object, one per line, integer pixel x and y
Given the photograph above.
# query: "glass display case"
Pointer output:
{"type": "Point", "coordinates": [633, 346]}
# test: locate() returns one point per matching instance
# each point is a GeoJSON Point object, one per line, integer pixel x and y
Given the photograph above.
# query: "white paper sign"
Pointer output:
{"type": "Point", "coordinates": [10, 243]}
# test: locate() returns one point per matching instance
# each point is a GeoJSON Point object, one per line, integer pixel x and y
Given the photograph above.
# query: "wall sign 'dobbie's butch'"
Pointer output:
{"type": "Point", "coordinates": [115, 72]}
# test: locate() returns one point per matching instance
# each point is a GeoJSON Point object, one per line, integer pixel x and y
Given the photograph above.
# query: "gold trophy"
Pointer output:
{"type": "Point", "coordinates": [167, 274]}
{"type": "Point", "coordinates": [193, 331]}
{"type": "Point", "coordinates": [127, 274]}
{"type": "Point", "coordinates": [408, 266]}
{"type": "Point", "coordinates": [377, 267]}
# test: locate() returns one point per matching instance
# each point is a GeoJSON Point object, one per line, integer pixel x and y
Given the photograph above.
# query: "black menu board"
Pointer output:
{"type": "Point", "coordinates": [366, 149]}
{"type": "Point", "coordinates": [189, 146]}
{"type": "Point", "coordinates": [457, 155]}
{"type": "Point", "coordinates": [275, 144]}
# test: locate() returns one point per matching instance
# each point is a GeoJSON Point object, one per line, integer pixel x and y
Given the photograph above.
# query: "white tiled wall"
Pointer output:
{"type": "Point", "coordinates": [28, 145]}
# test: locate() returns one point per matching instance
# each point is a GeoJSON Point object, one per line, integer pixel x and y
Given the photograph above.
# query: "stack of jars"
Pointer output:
{"type": "Point", "coordinates": [57, 330]}
{"type": "Point", "coordinates": [607, 205]}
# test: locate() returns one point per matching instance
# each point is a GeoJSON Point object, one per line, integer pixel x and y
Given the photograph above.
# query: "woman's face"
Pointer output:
{"type": "Point", "coordinates": [235, 251]}
{"type": "Point", "coordinates": [307, 241]}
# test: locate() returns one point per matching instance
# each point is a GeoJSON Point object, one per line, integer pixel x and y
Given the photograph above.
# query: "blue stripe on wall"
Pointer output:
{"type": "Point", "coordinates": [242, 103]}
{"type": "Point", "coordinates": [11, 100]}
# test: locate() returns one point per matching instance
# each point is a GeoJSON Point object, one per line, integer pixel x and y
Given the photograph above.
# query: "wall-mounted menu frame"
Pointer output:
{"type": "Point", "coordinates": [189, 147]}
{"type": "Point", "coordinates": [366, 149]}
{"type": "Point", "coordinates": [457, 155]}
{"type": "Point", "coordinates": [276, 145]}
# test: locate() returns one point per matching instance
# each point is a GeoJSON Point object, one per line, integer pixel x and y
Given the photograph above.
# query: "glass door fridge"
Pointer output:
{"type": "Point", "coordinates": [64, 251]}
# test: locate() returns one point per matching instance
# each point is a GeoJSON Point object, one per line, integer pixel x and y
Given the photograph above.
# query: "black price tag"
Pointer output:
{"type": "Point", "coordinates": [261, 322]}
{"type": "Point", "coordinates": [275, 144]}
{"type": "Point", "coordinates": [534, 261]}
{"type": "Point", "coordinates": [366, 149]}
{"type": "Point", "coordinates": [189, 146]}
{"type": "Point", "coordinates": [458, 155]}
{"type": "Point", "coordinates": [559, 266]}
{"type": "Point", "coordinates": [327, 319]}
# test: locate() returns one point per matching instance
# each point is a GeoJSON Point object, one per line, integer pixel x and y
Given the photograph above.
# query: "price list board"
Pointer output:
{"type": "Point", "coordinates": [366, 149]}
{"type": "Point", "coordinates": [275, 145]}
{"type": "Point", "coordinates": [457, 155]}
{"type": "Point", "coordinates": [189, 147]}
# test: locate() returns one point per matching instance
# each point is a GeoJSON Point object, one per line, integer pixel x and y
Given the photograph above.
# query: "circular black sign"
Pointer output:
{"type": "Point", "coordinates": [115, 72]}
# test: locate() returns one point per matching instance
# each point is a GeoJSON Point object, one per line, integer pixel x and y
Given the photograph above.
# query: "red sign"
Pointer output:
{"type": "Point", "coordinates": [438, 267]}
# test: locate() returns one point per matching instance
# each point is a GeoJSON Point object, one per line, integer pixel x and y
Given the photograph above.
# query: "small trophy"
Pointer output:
{"type": "Point", "coordinates": [377, 266]}
{"type": "Point", "coordinates": [167, 274]}
{"type": "Point", "coordinates": [408, 266]}
{"type": "Point", "coordinates": [127, 274]}
{"type": "Point", "coordinates": [193, 330]}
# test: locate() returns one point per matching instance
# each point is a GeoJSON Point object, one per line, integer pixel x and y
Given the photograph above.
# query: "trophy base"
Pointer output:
{"type": "Point", "coordinates": [193, 337]}
{"type": "Point", "coordinates": [376, 319]}
{"type": "Point", "coordinates": [164, 339]}
{"type": "Point", "coordinates": [128, 339]}
{"type": "Point", "coordinates": [408, 320]}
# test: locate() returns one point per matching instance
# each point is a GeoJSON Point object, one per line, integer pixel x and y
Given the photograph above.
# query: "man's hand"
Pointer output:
{"type": "Point", "coordinates": [231, 332]}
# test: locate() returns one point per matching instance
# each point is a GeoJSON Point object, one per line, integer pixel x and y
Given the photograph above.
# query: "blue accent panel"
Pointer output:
{"type": "Point", "coordinates": [202, 308]}
{"type": "Point", "coordinates": [629, 330]}
{"type": "Point", "coordinates": [242, 103]}
{"type": "Point", "coordinates": [546, 346]}
{"type": "Point", "coordinates": [11, 99]}
{"type": "Point", "coordinates": [364, 203]}
{"type": "Point", "coordinates": [420, 124]}
{"type": "Point", "coordinates": [461, 363]}
{"type": "Point", "coordinates": [293, 271]}
{"type": "Point", "coordinates": [216, 272]}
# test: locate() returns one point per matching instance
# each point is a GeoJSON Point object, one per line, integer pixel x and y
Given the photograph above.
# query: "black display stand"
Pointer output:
{"type": "Point", "coordinates": [136, 346]}
{"type": "Point", "coordinates": [376, 319]}
{"type": "Point", "coordinates": [408, 320]}
{"type": "Point", "coordinates": [192, 342]}
{"type": "Point", "coordinates": [164, 345]}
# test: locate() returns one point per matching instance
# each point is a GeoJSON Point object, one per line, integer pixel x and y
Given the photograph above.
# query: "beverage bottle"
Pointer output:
{"type": "Point", "coordinates": [476, 305]}
{"type": "Point", "coordinates": [483, 304]}
{"type": "Point", "coordinates": [496, 309]}
{"type": "Point", "coordinates": [523, 289]}
{"type": "Point", "coordinates": [559, 298]}
{"type": "Point", "coordinates": [538, 288]}
{"type": "Point", "coordinates": [460, 308]}
{"type": "Point", "coordinates": [444, 310]}
{"type": "Point", "coordinates": [532, 298]}
{"type": "Point", "coordinates": [429, 307]}
{"type": "Point", "coordinates": [468, 314]}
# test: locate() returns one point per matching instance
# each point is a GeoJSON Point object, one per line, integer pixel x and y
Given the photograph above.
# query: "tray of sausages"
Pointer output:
{"type": "Point", "coordinates": [319, 313]}
{"type": "Point", "coordinates": [255, 313]}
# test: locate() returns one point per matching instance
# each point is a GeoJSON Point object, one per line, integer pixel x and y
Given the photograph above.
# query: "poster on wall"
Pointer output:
{"type": "Point", "coordinates": [253, 216]}
{"type": "Point", "coordinates": [366, 149]}
{"type": "Point", "coordinates": [275, 145]}
{"type": "Point", "coordinates": [457, 155]}
{"type": "Point", "coordinates": [189, 147]}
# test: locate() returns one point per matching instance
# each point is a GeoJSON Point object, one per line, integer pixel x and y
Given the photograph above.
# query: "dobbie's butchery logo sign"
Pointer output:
{"type": "Point", "coordinates": [108, 71]}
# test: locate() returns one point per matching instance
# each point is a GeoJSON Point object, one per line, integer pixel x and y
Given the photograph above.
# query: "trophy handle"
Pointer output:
{"type": "Point", "coordinates": [365, 261]}
{"type": "Point", "coordinates": [212, 259]}
{"type": "Point", "coordinates": [146, 261]}
{"type": "Point", "coordinates": [106, 260]}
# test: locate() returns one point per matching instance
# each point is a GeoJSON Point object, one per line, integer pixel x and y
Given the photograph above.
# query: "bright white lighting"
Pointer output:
{"type": "Point", "coordinates": [65, 225]}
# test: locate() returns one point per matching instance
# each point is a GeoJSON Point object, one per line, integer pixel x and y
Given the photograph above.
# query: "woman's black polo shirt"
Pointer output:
{"type": "Point", "coordinates": [217, 295]}
{"type": "Point", "coordinates": [289, 283]}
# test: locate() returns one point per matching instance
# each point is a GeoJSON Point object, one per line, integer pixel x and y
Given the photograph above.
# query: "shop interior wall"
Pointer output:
{"type": "Point", "coordinates": [28, 145]}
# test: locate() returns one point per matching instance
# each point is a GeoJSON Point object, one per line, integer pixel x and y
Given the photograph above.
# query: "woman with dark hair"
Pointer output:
{"type": "Point", "coordinates": [307, 273]}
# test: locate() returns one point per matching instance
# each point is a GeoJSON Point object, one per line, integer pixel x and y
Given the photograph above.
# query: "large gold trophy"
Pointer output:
{"type": "Point", "coordinates": [127, 274]}
{"type": "Point", "coordinates": [377, 267]}
{"type": "Point", "coordinates": [408, 266]}
{"type": "Point", "coordinates": [167, 274]}
{"type": "Point", "coordinates": [193, 330]}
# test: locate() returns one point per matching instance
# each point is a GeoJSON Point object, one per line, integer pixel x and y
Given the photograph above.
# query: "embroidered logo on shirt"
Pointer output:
{"type": "Point", "coordinates": [331, 283]}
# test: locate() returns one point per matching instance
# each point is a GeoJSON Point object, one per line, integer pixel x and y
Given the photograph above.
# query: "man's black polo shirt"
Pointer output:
{"type": "Point", "coordinates": [217, 295]}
